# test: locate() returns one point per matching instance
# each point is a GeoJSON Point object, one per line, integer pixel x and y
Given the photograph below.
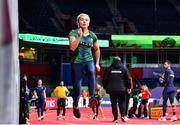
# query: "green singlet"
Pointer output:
{"type": "Point", "coordinates": [83, 53]}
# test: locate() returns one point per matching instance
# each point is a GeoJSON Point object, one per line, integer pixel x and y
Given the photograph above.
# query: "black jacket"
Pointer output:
{"type": "Point", "coordinates": [116, 79]}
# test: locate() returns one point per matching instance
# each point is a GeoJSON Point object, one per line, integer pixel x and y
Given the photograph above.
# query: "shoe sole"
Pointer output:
{"type": "Point", "coordinates": [162, 120]}
{"type": "Point", "coordinates": [173, 120]}
{"type": "Point", "coordinates": [123, 120]}
{"type": "Point", "coordinates": [76, 113]}
{"type": "Point", "coordinates": [76, 118]}
{"type": "Point", "coordinates": [115, 121]}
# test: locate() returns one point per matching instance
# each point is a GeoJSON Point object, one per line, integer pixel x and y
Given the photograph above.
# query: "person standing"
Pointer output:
{"type": "Point", "coordinates": [81, 41]}
{"type": "Point", "coordinates": [169, 91]}
{"type": "Point", "coordinates": [116, 82]}
{"type": "Point", "coordinates": [61, 92]}
{"type": "Point", "coordinates": [40, 94]}
{"type": "Point", "coordinates": [24, 101]}
{"type": "Point", "coordinates": [144, 102]}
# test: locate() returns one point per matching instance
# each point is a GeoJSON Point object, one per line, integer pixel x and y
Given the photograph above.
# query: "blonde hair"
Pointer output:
{"type": "Point", "coordinates": [82, 14]}
{"type": "Point", "coordinates": [98, 87]}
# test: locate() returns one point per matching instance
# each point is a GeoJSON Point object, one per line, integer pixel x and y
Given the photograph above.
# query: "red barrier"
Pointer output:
{"type": "Point", "coordinates": [33, 70]}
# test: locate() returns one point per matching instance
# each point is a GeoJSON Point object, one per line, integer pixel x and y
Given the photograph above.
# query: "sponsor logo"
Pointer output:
{"type": "Point", "coordinates": [51, 103]}
{"type": "Point", "coordinates": [116, 71]}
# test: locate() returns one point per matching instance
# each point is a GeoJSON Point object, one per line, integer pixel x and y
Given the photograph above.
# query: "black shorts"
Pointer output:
{"type": "Point", "coordinates": [144, 101]}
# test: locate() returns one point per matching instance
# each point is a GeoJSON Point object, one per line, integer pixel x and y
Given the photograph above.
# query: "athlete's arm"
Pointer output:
{"type": "Point", "coordinates": [55, 91]}
{"type": "Point", "coordinates": [35, 94]}
{"type": "Point", "coordinates": [149, 92]}
{"type": "Point", "coordinates": [67, 92]}
{"type": "Point", "coordinates": [97, 54]}
{"type": "Point", "coordinates": [44, 92]}
{"type": "Point", "coordinates": [170, 78]}
{"type": "Point", "coordinates": [74, 42]}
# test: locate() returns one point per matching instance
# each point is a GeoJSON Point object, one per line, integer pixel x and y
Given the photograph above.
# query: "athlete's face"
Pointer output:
{"type": "Point", "coordinates": [39, 82]}
{"type": "Point", "coordinates": [83, 21]}
{"type": "Point", "coordinates": [166, 65]}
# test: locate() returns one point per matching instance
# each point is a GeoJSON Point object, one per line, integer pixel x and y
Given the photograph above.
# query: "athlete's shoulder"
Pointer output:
{"type": "Point", "coordinates": [91, 32]}
{"type": "Point", "coordinates": [73, 32]}
{"type": "Point", "coordinates": [57, 87]}
{"type": "Point", "coordinates": [93, 35]}
{"type": "Point", "coordinates": [170, 71]}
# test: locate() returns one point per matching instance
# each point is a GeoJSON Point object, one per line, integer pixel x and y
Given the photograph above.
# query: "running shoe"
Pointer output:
{"type": "Point", "coordinates": [174, 118]}
{"type": "Point", "coordinates": [115, 120]}
{"type": "Point", "coordinates": [124, 119]}
{"type": "Point", "coordinates": [39, 118]}
{"type": "Point", "coordinates": [142, 116]}
{"type": "Point", "coordinates": [76, 112]}
{"type": "Point", "coordinates": [162, 119]}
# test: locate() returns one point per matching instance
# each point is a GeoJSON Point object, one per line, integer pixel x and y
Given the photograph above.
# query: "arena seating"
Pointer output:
{"type": "Point", "coordinates": [42, 13]}
{"type": "Point", "coordinates": [150, 17]}
{"type": "Point", "coordinates": [98, 11]}
{"type": "Point", "coordinates": [147, 20]}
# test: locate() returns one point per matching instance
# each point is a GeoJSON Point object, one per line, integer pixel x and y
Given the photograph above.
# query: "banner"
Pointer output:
{"type": "Point", "coordinates": [51, 102]}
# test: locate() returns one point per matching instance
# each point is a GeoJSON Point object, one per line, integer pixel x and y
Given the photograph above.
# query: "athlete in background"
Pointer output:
{"type": "Point", "coordinates": [40, 95]}
{"type": "Point", "coordinates": [169, 91]}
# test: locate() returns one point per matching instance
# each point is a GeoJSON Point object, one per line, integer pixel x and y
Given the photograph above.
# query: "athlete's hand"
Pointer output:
{"type": "Point", "coordinates": [98, 67]}
{"type": "Point", "coordinates": [129, 91]}
{"type": "Point", "coordinates": [80, 33]}
{"type": "Point", "coordinates": [25, 77]}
